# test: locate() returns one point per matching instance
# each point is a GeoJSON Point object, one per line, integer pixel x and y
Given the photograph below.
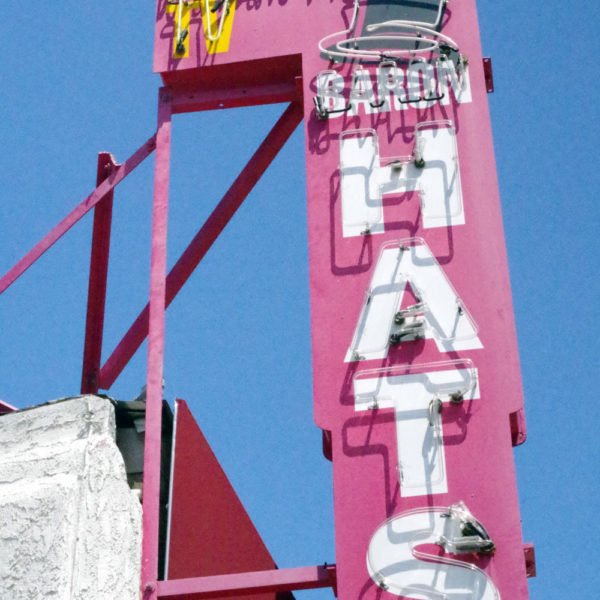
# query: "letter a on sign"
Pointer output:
{"type": "Point", "coordinates": [439, 314]}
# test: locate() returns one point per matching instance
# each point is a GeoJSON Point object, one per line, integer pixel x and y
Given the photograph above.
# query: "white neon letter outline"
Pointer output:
{"type": "Point", "coordinates": [364, 181]}
{"type": "Point", "coordinates": [413, 391]}
{"type": "Point", "coordinates": [397, 566]}
{"type": "Point", "coordinates": [446, 318]}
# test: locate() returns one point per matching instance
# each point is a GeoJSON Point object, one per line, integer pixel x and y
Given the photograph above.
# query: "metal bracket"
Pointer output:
{"type": "Point", "coordinates": [332, 574]}
{"type": "Point", "coordinates": [488, 74]}
{"type": "Point", "coordinates": [327, 444]}
{"type": "Point", "coordinates": [468, 536]}
{"type": "Point", "coordinates": [435, 404]}
{"type": "Point", "coordinates": [180, 46]}
{"type": "Point", "coordinates": [414, 329]}
{"type": "Point", "coordinates": [518, 427]}
{"type": "Point", "coordinates": [529, 552]}
{"type": "Point", "coordinates": [430, 98]}
{"type": "Point", "coordinates": [323, 113]}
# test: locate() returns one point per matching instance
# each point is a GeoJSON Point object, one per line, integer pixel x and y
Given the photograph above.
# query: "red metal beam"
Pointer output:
{"type": "Point", "coordinates": [529, 552]}
{"type": "Point", "coordinates": [204, 239]}
{"type": "Point", "coordinates": [244, 584]}
{"type": "Point", "coordinates": [212, 99]}
{"type": "Point", "coordinates": [92, 349]}
{"type": "Point", "coordinates": [156, 342]}
{"type": "Point", "coordinates": [100, 192]}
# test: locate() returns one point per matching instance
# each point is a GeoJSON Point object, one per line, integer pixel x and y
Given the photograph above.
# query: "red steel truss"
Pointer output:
{"type": "Point", "coordinates": [151, 321]}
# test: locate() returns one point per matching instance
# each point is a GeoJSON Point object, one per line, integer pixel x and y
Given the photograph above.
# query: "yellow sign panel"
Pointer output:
{"type": "Point", "coordinates": [217, 23]}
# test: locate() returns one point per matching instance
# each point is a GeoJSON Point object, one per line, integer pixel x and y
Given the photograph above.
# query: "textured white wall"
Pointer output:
{"type": "Point", "coordinates": [70, 527]}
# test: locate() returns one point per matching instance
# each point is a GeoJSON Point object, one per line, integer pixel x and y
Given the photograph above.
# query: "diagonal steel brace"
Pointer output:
{"type": "Point", "coordinates": [77, 213]}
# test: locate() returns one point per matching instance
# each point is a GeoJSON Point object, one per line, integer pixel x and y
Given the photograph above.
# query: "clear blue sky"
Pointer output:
{"type": "Point", "coordinates": [76, 79]}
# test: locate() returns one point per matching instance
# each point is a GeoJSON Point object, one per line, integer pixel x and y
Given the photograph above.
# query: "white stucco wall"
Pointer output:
{"type": "Point", "coordinates": [70, 527]}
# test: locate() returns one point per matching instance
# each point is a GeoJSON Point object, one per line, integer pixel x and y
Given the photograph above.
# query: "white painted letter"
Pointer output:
{"type": "Point", "coordinates": [440, 314]}
{"type": "Point", "coordinates": [365, 181]}
{"type": "Point", "coordinates": [417, 394]}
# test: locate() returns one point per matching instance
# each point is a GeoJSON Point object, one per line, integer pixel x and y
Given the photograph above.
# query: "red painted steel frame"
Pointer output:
{"type": "Point", "coordinates": [213, 99]}
{"type": "Point", "coordinates": [151, 322]}
{"type": "Point", "coordinates": [204, 239]}
{"type": "Point", "coordinates": [163, 290]}
{"type": "Point", "coordinates": [77, 213]}
{"type": "Point", "coordinates": [243, 584]}
{"type": "Point", "coordinates": [92, 350]}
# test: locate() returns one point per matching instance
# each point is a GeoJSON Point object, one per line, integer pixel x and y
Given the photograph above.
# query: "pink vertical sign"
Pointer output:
{"type": "Point", "coordinates": [416, 374]}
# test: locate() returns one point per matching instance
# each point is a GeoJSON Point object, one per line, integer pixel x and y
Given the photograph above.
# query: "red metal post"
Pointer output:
{"type": "Point", "coordinates": [94, 328]}
{"type": "Point", "coordinates": [156, 340]}
{"type": "Point", "coordinates": [77, 213]}
{"type": "Point", "coordinates": [204, 239]}
{"type": "Point", "coordinates": [243, 584]}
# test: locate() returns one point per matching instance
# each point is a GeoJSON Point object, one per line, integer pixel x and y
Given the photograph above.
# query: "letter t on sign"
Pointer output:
{"type": "Point", "coordinates": [417, 393]}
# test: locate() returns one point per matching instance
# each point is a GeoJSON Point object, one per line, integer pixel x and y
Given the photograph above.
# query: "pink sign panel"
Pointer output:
{"type": "Point", "coordinates": [416, 373]}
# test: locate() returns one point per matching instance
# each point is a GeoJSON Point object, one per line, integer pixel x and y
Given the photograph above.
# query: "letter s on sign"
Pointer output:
{"type": "Point", "coordinates": [398, 567]}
